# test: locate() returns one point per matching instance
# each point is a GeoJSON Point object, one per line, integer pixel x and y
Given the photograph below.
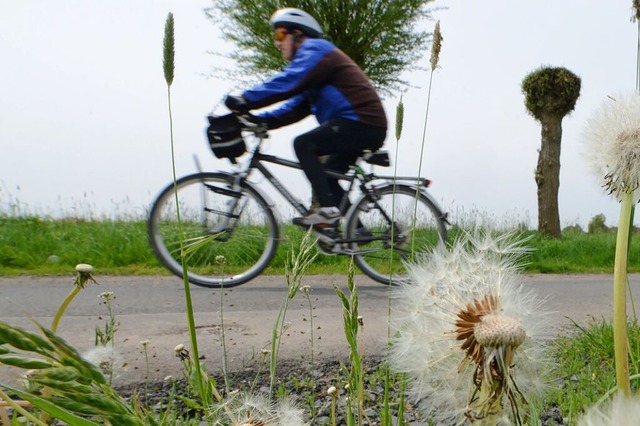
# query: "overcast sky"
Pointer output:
{"type": "Point", "coordinates": [83, 103]}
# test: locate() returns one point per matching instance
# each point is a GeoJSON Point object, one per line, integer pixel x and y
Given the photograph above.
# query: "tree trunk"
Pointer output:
{"type": "Point", "coordinates": [548, 176]}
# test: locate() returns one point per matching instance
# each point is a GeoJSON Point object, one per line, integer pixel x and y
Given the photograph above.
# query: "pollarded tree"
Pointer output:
{"type": "Point", "coordinates": [382, 36]}
{"type": "Point", "coordinates": [550, 94]}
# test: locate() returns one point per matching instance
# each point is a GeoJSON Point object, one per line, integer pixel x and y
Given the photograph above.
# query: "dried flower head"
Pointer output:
{"type": "Point", "coordinates": [436, 46]}
{"type": "Point", "coordinates": [612, 139]}
{"type": "Point", "coordinates": [622, 411]}
{"type": "Point", "coordinates": [181, 352]}
{"type": "Point", "coordinates": [84, 275]}
{"type": "Point", "coordinates": [465, 325]}
{"type": "Point", "coordinates": [635, 7]}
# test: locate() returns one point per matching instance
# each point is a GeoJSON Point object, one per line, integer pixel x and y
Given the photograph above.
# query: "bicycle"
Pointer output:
{"type": "Point", "coordinates": [223, 214]}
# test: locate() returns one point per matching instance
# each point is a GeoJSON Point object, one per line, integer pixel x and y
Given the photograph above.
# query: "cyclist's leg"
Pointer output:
{"type": "Point", "coordinates": [340, 163]}
{"type": "Point", "coordinates": [342, 139]}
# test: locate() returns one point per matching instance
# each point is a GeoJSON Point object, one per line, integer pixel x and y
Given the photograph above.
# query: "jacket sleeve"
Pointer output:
{"type": "Point", "coordinates": [292, 80]}
{"type": "Point", "coordinates": [295, 109]}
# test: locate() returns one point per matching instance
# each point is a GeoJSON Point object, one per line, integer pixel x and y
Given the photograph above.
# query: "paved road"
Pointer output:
{"type": "Point", "coordinates": [152, 308]}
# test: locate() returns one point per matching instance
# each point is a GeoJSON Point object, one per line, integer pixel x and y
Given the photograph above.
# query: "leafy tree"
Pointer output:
{"type": "Point", "coordinates": [550, 94]}
{"type": "Point", "coordinates": [382, 36]}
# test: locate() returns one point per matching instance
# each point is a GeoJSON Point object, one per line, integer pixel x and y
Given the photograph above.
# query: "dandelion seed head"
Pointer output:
{"type": "Point", "coordinates": [612, 145]}
{"type": "Point", "coordinates": [107, 359]}
{"type": "Point", "coordinates": [622, 411]}
{"type": "Point", "coordinates": [459, 302]}
{"type": "Point", "coordinates": [497, 330]}
{"type": "Point", "coordinates": [256, 410]}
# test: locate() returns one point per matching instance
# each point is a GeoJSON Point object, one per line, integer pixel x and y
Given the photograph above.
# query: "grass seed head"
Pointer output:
{"type": "Point", "coordinates": [436, 46]}
{"type": "Point", "coordinates": [399, 119]}
{"type": "Point", "coordinates": [169, 51]}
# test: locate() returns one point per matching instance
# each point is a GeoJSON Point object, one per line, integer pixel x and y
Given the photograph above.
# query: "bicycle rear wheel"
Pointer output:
{"type": "Point", "coordinates": [229, 232]}
{"type": "Point", "coordinates": [398, 225]}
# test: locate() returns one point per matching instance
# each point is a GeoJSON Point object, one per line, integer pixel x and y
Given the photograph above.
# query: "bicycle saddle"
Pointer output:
{"type": "Point", "coordinates": [378, 158]}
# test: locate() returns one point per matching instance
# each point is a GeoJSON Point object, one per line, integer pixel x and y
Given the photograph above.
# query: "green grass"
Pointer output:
{"type": "Point", "coordinates": [34, 245]}
{"type": "Point", "coordinates": [585, 370]}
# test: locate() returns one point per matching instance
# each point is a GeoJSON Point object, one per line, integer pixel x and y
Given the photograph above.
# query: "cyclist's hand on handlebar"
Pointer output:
{"type": "Point", "coordinates": [253, 121]}
{"type": "Point", "coordinates": [236, 104]}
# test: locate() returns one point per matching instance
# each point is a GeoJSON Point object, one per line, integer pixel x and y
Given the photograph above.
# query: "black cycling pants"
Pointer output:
{"type": "Point", "coordinates": [343, 141]}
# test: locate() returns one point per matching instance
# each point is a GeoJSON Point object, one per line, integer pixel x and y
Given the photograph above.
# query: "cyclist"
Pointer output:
{"type": "Point", "coordinates": [321, 80]}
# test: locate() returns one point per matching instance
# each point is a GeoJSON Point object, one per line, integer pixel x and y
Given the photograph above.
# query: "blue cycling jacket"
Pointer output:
{"type": "Point", "coordinates": [320, 80]}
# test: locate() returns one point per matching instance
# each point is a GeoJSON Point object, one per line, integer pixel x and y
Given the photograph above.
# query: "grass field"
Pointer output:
{"type": "Point", "coordinates": [34, 245]}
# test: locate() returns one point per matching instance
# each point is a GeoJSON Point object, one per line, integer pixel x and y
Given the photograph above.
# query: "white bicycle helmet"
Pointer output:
{"type": "Point", "coordinates": [290, 17]}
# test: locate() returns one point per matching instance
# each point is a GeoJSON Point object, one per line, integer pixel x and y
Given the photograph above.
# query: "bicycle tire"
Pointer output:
{"type": "Point", "coordinates": [247, 241]}
{"type": "Point", "coordinates": [394, 243]}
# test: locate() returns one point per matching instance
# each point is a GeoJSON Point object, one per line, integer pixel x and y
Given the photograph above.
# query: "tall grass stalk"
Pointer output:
{"type": "Point", "coordinates": [352, 323]}
{"type": "Point", "coordinates": [169, 67]}
{"type": "Point", "coordinates": [385, 416]}
{"type": "Point", "coordinates": [295, 268]}
{"type": "Point", "coordinates": [436, 46]}
{"type": "Point", "coordinates": [222, 261]}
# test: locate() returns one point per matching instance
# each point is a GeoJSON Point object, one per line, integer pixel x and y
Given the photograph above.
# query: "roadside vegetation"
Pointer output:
{"type": "Point", "coordinates": [31, 245]}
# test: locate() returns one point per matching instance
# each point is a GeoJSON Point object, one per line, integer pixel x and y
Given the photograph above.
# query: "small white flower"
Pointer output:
{"type": "Point", "coordinates": [612, 144]}
{"type": "Point", "coordinates": [106, 295]}
{"type": "Point", "coordinates": [464, 325]}
{"type": "Point", "coordinates": [145, 342]}
{"type": "Point", "coordinates": [622, 411]}
{"type": "Point", "coordinates": [179, 348]}
{"type": "Point", "coordinates": [331, 390]}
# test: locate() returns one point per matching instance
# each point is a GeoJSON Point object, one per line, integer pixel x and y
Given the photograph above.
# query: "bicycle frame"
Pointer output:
{"type": "Point", "coordinates": [357, 174]}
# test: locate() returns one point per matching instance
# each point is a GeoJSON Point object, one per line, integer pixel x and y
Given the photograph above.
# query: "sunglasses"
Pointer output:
{"type": "Point", "coordinates": [280, 34]}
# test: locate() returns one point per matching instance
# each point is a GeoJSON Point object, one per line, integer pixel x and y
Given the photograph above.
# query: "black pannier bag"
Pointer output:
{"type": "Point", "coordinates": [225, 136]}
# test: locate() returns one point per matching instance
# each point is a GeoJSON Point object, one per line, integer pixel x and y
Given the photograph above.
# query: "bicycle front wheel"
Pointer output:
{"type": "Point", "coordinates": [227, 233]}
{"type": "Point", "coordinates": [392, 227]}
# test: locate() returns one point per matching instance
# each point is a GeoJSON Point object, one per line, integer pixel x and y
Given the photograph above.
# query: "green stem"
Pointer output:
{"type": "Point", "coordinates": [620, 342]}
{"type": "Point", "coordinates": [424, 136]}
{"type": "Point", "coordinates": [63, 307]}
{"type": "Point", "coordinates": [187, 290]}
{"type": "Point", "coordinates": [20, 409]}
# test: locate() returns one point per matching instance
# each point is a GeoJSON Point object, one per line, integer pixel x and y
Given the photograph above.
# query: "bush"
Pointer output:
{"type": "Point", "coordinates": [597, 224]}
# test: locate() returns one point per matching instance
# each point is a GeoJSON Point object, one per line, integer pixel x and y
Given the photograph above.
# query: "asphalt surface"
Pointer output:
{"type": "Point", "coordinates": [152, 308]}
